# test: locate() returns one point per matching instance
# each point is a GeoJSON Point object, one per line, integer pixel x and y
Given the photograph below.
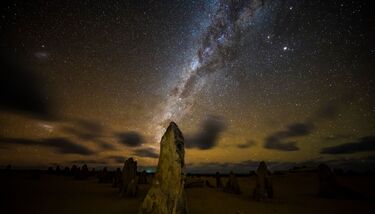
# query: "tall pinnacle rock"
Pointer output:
{"type": "Point", "coordinates": [263, 189]}
{"type": "Point", "coordinates": [166, 195]}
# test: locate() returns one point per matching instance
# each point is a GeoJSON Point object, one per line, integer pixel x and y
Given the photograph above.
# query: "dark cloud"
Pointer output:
{"type": "Point", "coordinates": [275, 143]}
{"type": "Point", "coordinates": [331, 109]}
{"type": "Point", "coordinates": [65, 146]}
{"type": "Point", "coordinates": [297, 129]}
{"type": "Point", "coordinates": [338, 137]}
{"type": "Point", "coordinates": [364, 144]}
{"type": "Point", "coordinates": [18, 141]}
{"type": "Point", "coordinates": [132, 139]}
{"type": "Point", "coordinates": [76, 132]}
{"type": "Point", "coordinates": [150, 153]}
{"type": "Point", "coordinates": [117, 158]}
{"type": "Point", "coordinates": [90, 126]}
{"type": "Point", "coordinates": [104, 145]}
{"type": "Point", "coordinates": [85, 129]}
{"type": "Point", "coordinates": [280, 140]}
{"type": "Point", "coordinates": [208, 135]}
{"type": "Point", "coordinates": [88, 130]}
{"type": "Point", "coordinates": [21, 91]}
{"type": "Point", "coordinates": [248, 144]}
{"type": "Point", "coordinates": [60, 145]}
{"type": "Point", "coordinates": [277, 140]}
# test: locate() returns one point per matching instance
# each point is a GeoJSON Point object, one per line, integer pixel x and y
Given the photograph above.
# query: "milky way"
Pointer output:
{"type": "Point", "coordinates": [216, 46]}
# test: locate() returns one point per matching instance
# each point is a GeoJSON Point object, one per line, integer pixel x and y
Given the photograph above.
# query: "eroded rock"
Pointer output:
{"type": "Point", "coordinates": [166, 195]}
{"type": "Point", "coordinates": [129, 178]}
{"type": "Point", "coordinates": [263, 189]}
{"type": "Point", "coordinates": [104, 176]}
{"type": "Point", "coordinates": [116, 178]}
{"type": "Point", "coordinates": [232, 185]}
{"type": "Point", "coordinates": [143, 177]}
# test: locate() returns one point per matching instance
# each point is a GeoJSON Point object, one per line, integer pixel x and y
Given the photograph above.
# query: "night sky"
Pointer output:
{"type": "Point", "coordinates": [285, 81]}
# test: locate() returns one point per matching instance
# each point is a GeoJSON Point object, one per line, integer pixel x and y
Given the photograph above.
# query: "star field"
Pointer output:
{"type": "Point", "coordinates": [279, 81]}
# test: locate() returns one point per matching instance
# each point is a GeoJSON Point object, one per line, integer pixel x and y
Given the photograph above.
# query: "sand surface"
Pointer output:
{"type": "Point", "coordinates": [294, 193]}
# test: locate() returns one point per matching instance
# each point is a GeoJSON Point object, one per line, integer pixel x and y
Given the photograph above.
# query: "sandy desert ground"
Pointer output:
{"type": "Point", "coordinates": [294, 193]}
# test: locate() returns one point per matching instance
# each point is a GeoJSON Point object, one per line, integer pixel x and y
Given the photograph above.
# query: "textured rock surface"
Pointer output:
{"type": "Point", "coordinates": [129, 178]}
{"type": "Point", "coordinates": [263, 188]}
{"type": "Point", "coordinates": [166, 195]}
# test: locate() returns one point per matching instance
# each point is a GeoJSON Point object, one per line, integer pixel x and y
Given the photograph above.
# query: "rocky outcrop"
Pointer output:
{"type": "Point", "coordinates": [232, 185]}
{"type": "Point", "coordinates": [143, 177]}
{"type": "Point", "coordinates": [166, 195]}
{"type": "Point", "coordinates": [129, 178]}
{"type": "Point", "coordinates": [66, 171]}
{"type": "Point", "coordinates": [116, 180]}
{"type": "Point", "coordinates": [329, 187]}
{"type": "Point", "coordinates": [104, 176]}
{"type": "Point", "coordinates": [82, 173]}
{"type": "Point", "coordinates": [263, 189]}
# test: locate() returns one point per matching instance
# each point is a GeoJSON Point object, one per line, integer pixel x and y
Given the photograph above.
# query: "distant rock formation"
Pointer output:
{"type": "Point", "coordinates": [82, 173]}
{"type": "Point", "coordinates": [66, 171]}
{"type": "Point", "coordinates": [329, 187]}
{"type": "Point", "coordinates": [129, 178]}
{"type": "Point", "coordinates": [73, 170]}
{"type": "Point", "coordinates": [167, 195]}
{"type": "Point", "coordinates": [232, 185]}
{"type": "Point", "coordinates": [263, 189]}
{"type": "Point", "coordinates": [116, 180]}
{"type": "Point", "coordinates": [219, 184]}
{"type": "Point", "coordinates": [104, 176]}
{"type": "Point", "coordinates": [143, 177]}
{"type": "Point", "coordinates": [77, 173]}
{"type": "Point", "coordinates": [58, 170]}
{"type": "Point", "coordinates": [50, 170]}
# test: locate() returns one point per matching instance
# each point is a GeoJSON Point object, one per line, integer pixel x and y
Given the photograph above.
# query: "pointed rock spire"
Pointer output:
{"type": "Point", "coordinates": [264, 188]}
{"type": "Point", "coordinates": [166, 195]}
